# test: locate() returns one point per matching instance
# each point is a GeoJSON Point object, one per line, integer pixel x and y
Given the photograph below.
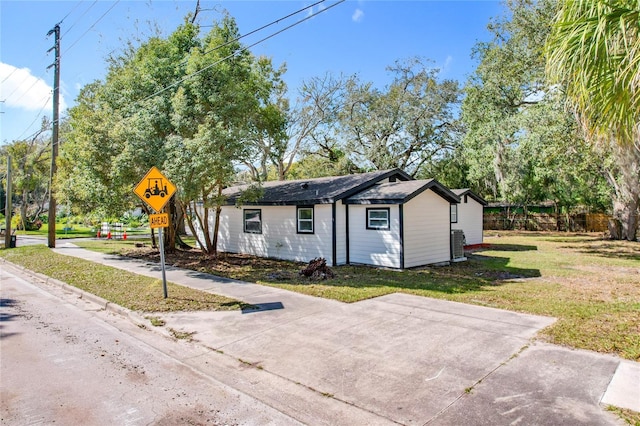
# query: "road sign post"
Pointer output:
{"type": "Point", "coordinates": [164, 274]}
{"type": "Point", "coordinates": [156, 190]}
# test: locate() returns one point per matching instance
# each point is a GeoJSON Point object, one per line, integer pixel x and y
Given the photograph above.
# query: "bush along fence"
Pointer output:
{"type": "Point", "coordinates": [521, 219]}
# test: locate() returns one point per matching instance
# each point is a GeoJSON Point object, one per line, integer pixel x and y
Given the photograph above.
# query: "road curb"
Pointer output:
{"type": "Point", "coordinates": [82, 294]}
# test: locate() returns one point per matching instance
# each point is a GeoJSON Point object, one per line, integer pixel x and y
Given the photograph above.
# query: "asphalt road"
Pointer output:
{"type": "Point", "coordinates": [65, 361]}
{"type": "Point", "coordinates": [396, 359]}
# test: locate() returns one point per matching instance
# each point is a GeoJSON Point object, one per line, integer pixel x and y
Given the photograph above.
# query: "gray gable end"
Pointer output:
{"type": "Point", "coordinates": [466, 191]}
{"type": "Point", "coordinates": [401, 192]}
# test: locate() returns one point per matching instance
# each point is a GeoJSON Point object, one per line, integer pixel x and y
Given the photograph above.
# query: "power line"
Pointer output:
{"type": "Point", "coordinates": [10, 74]}
{"type": "Point", "coordinates": [34, 120]}
{"type": "Point", "coordinates": [77, 40]}
{"type": "Point", "coordinates": [26, 91]}
{"type": "Point", "coordinates": [92, 26]}
{"type": "Point", "coordinates": [79, 18]}
{"type": "Point", "coordinates": [43, 147]}
{"type": "Point", "coordinates": [16, 68]}
{"type": "Point", "coordinates": [206, 52]}
{"type": "Point", "coordinates": [277, 21]}
{"type": "Point", "coordinates": [67, 15]}
{"type": "Point", "coordinates": [187, 77]}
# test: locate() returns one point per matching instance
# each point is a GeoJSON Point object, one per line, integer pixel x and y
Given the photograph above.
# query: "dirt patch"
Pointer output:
{"type": "Point", "coordinates": [232, 265]}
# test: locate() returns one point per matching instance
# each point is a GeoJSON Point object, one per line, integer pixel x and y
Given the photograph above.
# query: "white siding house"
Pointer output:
{"type": "Point", "coordinates": [374, 245]}
{"type": "Point", "coordinates": [382, 218]}
{"type": "Point", "coordinates": [469, 216]}
{"type": "Point", "coordinates": [426, 230]}
{"type": "Point", "coordinates": [411, 225]}
{"type": "Point", "coordinates": [273, 237]}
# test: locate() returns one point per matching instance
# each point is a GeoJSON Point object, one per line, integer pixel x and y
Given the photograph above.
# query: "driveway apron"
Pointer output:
{"type": "Point", "coordinates": [404, 358]}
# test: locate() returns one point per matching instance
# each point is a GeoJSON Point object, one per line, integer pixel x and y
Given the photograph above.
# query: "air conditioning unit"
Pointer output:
{"type": "Point", "coordinates": [457, 245]}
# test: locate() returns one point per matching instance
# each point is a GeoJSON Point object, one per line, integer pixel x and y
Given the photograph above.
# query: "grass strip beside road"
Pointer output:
{"type": "Point", "coordinates": [129, 290]}
{"type": "Point", "coordinates": [589, 283]}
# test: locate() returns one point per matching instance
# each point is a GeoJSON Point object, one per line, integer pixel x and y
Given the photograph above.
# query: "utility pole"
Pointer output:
{"type": "Point", "coordinates": [54, 136]}
{"type": "Point", "coordinates": [7, 207]}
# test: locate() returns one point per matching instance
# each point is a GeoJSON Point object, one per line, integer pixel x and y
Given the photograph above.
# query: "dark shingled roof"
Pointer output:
{"type": "Point", "coordinates": [314, 191]}
{"type": "Point", "coordinates": [401, 192]}
{"type": "Point", "coordinates": [466, 191]}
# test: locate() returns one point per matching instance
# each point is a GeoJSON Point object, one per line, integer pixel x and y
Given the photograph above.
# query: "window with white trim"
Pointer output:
{"type": "Point", "coordinates": [454, 213]}
{"type": "Point", "coordinates": [378, 218]}
{"type": "Point", "coordinates": [305, 219]}
{"type": "Point", "coordinates": [253, 221]}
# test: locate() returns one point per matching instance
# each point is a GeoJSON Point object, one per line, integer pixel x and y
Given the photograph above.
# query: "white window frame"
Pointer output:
{"type": "Point", "coordinates": [378, 226]}
{"type": "Point", "coordinates": [245, 213]}
{"type": "Point", "coordinates": [454, 213]}
{"type": "Point", "coordinates": [300, 220]}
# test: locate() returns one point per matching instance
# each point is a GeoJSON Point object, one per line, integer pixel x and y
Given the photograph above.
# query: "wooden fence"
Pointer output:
{"type": "Point", "coordinates": [580, 222]}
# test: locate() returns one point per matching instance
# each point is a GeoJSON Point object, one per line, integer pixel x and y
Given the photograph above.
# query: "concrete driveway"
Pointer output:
{"type": "Point", "coordinates": [398, 358]}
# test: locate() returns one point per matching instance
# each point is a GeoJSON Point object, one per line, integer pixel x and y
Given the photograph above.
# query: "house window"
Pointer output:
{"type": "Point", "coordinates": [465, 198]}
{"type": "Point", "coordinates": [454, 213]}
{"type": "Point", "coordinates": [305, 220]}
{"type": "Point", "coordinates": [378, 218]}
{"type": "Point", "coordinates": [253, 221]}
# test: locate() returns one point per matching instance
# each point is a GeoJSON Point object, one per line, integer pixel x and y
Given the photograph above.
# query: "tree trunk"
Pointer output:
{"type": "Point", "coordinates": [216, 227]}
{"type": "Point", "coordinates": [627, 194]}
{"type": "Point", "coordinates": [23, 212]}
{"type": "Point", "coordinates": [153, 235]}
{"type": "Point", "coordinates": [189, 223]}
{"type": "Point", "coordinates": [170, 235]}
{"type": "Point", "coordinates": [203, 228]}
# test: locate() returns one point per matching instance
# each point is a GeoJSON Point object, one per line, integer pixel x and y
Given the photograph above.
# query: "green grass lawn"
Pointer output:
{"type": "Point", "coordinates": [123, 288]}
{"type": "Point", "coordinates": [591, 285]}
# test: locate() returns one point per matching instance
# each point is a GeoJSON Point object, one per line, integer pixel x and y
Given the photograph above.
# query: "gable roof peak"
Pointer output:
{"type": "Point", "coordinates": [319, 190]}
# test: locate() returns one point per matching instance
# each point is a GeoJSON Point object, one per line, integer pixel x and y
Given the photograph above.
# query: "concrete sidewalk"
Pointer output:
{"type": "Point", "coordinates": [401, 358]}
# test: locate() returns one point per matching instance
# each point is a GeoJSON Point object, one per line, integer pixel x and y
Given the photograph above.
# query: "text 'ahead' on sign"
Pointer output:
{"type": "Point", "coordinates": [155, 189]}
{"type": "Point", "coordinates": [159, 220]}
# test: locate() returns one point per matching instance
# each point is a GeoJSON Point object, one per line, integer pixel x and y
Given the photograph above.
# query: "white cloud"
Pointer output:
{"type": "Point", "coordinates": [357, 16]}
{"type": "Point", "coordinates": [22, 90]}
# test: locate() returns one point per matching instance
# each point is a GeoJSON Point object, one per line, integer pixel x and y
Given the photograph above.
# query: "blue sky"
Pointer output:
{"type": "Point", "coordinates": [354, 37]}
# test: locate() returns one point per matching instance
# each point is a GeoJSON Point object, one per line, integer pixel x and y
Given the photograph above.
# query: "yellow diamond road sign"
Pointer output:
{"type": "Point", "coordinates": [155, 189]}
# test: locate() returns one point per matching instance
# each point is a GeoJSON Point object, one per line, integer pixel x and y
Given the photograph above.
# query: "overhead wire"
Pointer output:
{"type": "Point", "coordinates": [277, 21]}
{"type": "Point", "coordinates": [10, 74]}
{"type": "Point", "coordinates": [35, 119]}
{"type": "Point", "coordinates": [92, 26]}
{"type": "Point", "coordinates": [22, 159]}
{"type": "Point", "coordinates": [237, 52]}
{"type": "Point", "coordinates": [26, 91]}
{"type": "Point", "coordinates": [70, 12]}
{"type": "Point", "coordinates": [76, 41]}
{"type": "Point", "coordinates": [79, 18]}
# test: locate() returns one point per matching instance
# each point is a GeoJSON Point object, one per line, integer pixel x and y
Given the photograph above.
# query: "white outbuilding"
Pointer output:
{"type": "Point", "coordinates": [468, 215]}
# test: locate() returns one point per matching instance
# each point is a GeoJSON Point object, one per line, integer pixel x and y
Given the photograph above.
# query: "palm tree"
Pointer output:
{"type": "Point", "coordinates": [594, 47]}
{"type": "Point", "coordinates": [594, 52]}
